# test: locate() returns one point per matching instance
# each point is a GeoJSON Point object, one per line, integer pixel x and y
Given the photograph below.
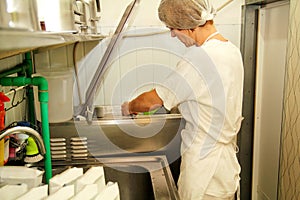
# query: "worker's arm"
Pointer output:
{"type": "Point", "coordinates": [143, 103]}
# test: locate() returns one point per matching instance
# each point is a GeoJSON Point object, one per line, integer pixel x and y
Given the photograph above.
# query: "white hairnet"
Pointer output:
{"type": "Point", "coordinates": [185, 14]}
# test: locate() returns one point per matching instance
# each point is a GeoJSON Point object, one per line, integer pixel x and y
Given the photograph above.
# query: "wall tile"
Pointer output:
{"type": "Point", "coordinates": [100, 96]}
{"type": "Point", "coordinates": [128, 76]}
{"type": "Point", "coordinates": [88, 46]}
{"type": "Point", "coordinates": [42, 60]}
{"type": "Point", "coordinates": [16, 113]}
{"type": "Point", "coordinates": [58, 57]}
{"type": "Point", "coordinates": [79, 51]}
{"type": "Point", "coordinates": [69, 56]}
{"type": "Point", "coordinates": [111, 89]}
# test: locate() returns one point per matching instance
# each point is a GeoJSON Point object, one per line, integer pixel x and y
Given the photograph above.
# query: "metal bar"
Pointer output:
{"type": "Point", "coordinates": [224, 5]}
{"type": "Point", "coordinates": [87, 108]}
{"type": "Point", "coordinates": [260, 2]}
{"type": "Point", "coordinates": [76, 72]}
{"type": "Point", "coordinates": [15, 90]}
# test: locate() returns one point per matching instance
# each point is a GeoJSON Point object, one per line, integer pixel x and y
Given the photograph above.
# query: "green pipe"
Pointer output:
{"type": "Point", "coordinates": [46, 138]}
{"type": "Point", "coordinates": [28, 61]}
{"type": "Point", "coordinates": [20, 68]}
{"type": "Point", "coordinates": [31, 108]}
{"type": "Point", "coordinates": [43, 98]}
{"type": "Point", "coordinates": [30, 95]}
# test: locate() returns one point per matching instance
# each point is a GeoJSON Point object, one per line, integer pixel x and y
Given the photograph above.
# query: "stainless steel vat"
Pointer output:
{"type": "Point", "coordinates": [61, 17]}
{"type": "Point", "coordinates": [19, 14]}
{"type": "Point", "coordinates": [4, 16]}
{"type": "Point", "coordinates": [119, 134]}
{"type": "Point", "coordinates": [138, 152]}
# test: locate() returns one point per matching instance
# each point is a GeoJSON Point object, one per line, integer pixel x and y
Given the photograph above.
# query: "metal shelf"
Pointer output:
{"type": "Point", "coordinates": [16, 41]}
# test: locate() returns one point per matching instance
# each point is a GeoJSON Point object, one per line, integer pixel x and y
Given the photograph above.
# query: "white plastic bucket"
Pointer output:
{"type": "Point", "coordinates": [60, 90]}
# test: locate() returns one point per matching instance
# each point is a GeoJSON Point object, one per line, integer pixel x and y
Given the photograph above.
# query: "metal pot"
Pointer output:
{"type": "Point", "coordinates": [4, 16]}
{"type": "Point", "coordinates": [59, 16]}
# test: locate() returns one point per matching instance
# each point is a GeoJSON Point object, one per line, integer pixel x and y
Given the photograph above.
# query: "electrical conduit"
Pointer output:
{"type": "Point", "coordinates": [43, 99]}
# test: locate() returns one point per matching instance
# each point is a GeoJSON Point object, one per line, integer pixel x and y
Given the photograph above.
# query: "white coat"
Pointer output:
{"type": "Point", "coordinates": [207, 87]}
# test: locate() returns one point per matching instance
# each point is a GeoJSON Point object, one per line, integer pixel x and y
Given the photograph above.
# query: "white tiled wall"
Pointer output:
{"type": "Point", "coordinates": [16, 113]}
{"type": "Point", "coordinates": [136, 65]}
{"type": "Point", "coordinates": [144, 65]}
{"type": "Point", "coordinates": [62, 56]}
{"type": "Point", "coordinates": [140, 70]}
{"type": "Point", "coordinates": [47, 59]}
{"type": "Point", "coordinates": [147, 13]}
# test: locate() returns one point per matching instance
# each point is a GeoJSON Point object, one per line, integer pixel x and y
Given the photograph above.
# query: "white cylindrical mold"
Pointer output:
{"type": "Point", "coordinates": [60, 89]}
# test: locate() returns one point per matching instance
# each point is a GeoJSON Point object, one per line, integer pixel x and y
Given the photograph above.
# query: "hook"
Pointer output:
{"type": "Point", "coordinates": [15, 103]}
{"type": "Point", "coordinates": [13, 99]}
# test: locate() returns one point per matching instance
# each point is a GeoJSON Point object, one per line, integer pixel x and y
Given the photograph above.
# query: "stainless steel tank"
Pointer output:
{"type": "Point", "coordinates": [4, 16]}
{"type": "Point", "coordinates": [61, 16]}
{"type": "Point", "coordinates": [19, 14]}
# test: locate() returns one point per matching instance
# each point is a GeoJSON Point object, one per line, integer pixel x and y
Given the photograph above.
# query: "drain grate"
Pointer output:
{"type": "Point", "coordinates": [58, 148]}
{"type": "Point", "coordinates": [79, 148]}
{"type": "Point", "coordinates": [74, 148]}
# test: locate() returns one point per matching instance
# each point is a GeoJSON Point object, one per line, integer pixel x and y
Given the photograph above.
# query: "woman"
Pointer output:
{"type": "Point", "coordinates": [207, 88]}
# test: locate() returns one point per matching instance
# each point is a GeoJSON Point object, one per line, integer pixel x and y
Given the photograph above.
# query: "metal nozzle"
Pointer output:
{"type": "Point", "coordinates": [28, 131]}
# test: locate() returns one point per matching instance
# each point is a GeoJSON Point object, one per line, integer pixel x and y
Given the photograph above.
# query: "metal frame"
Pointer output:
{"type": "Point", "coordinates": [249, 49]}
{"type": "Point", "coordinates": [245, 139]}
{"type": "Point", "coordinates": [87, 108]}
{"type": "Point", "coordinates": [260, 2]}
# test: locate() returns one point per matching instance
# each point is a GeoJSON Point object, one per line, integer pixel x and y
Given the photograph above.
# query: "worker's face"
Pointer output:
{"type": "Point", "coordinates": [183, 36]}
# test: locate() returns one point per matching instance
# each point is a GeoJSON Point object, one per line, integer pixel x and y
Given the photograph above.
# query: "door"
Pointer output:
{"type": "Point", "coordinates": [270, 71]}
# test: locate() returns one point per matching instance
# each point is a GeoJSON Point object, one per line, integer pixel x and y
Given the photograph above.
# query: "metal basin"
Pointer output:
{"type": "Point", "coordinates": [132, 185]}
{"type": "Point", "coordinates": [86, 144]}
{"type": "Point", "coordinates": [138, 177]}
{"type": "Point", "coordinates": [119, 134]}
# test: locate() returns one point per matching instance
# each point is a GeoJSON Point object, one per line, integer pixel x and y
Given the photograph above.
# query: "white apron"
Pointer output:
{"type": "Point", "coordinates": [206, 176]}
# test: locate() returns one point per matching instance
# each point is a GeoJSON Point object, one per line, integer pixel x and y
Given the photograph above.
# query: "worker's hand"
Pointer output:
{"type": "Point", "coordinates": [125, 109]}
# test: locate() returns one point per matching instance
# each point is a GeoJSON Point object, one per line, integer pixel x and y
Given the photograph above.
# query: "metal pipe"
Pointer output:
{"type": "Point", "coordinates": [17, 69]}
{"type": "Point", "coordinates": [86, 109]}
{"type": "Point", "coordinates": [224, 5]}
{"type": "Point", "coordinates": [28, 131]}
{"type": "Point", "coordinates": [15, 90]}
